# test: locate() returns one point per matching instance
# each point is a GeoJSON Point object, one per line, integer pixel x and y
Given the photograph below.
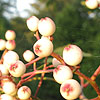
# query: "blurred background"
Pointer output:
{"type": "Point", "coordinates": [75, 24]}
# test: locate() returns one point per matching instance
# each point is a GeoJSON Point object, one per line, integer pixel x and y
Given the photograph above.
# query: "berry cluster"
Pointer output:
{"type": "Point", "coordinates": [63, 68]}
{"type": "Point", "coordinates": [10, 43]}
{"type": "Point", "coordinates": [70, 88]}
{"type": "Point", "coordinates": [92, 4]}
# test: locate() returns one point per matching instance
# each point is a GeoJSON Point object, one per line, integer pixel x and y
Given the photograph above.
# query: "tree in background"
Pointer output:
{"type": "Point", "coordinates": [75, 24]}
{"type": "Point", "coordinates": [5, 9]}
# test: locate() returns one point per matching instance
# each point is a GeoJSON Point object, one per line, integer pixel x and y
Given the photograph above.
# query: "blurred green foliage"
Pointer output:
{"type": "Point", "coordinates": [73, 25]}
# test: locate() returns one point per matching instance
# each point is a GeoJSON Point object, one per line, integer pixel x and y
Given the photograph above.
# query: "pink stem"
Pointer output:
{"type": "Point", "coordinates": [31, 62]}
{"type": "Point", "coordinates": [37, 35]}
{"type": "Point", "coordinates": [31, 74]}
{"type": "Point", "coordinates": [42, 76]}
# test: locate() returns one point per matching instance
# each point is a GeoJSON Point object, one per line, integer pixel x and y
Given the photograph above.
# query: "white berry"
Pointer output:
{"type": "Point", "coordinates": [10, 44]}
{"type": "Point", "coordinates": [3, 69]}
{"type": "Point", "coordinates": [91, 4]}
{"type": "Point", "coordinates": [6, 97]}
{"type": "Point", "coordinates": [24, 92]}
{"type": "Point", "coordinates": [70, 89]}
{"type": "Point", "coordinates": [32, 23]}
{"type": "Point", "coordinates": [10, 57]}
{"type": "Point", "coordinates": [2, 44]}
{"type": "Point", "coordinates": [55, 62]}
{"type": "Point", "coordinates": [46, 26]}
{"type": "Point", "coordinates": [72, 55]}
{"type": "Point", "coordinates": [62, 73]}
{"type": "Point", "coordinates": [28, 55]}
{"type": "Point", "coordinates": [9, 87]}
{"type": "Point", "coordinates": [10, 35]}
{"type": "Point", "coordinates": [17, 69]}
{"type": "Point", "coordinates": [43, 47]}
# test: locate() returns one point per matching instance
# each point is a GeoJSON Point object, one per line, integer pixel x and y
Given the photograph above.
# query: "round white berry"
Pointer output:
{"type": "Point", "coordinates": [91, 4]}
{"type": "Point", "coordinates": [46, 26]}
{"type": "Point", "coordinates": [10, 44]}
{"type": "Point", "coordinates": [10, 57]}
{"type": "Point", "coordinates": [2, 44]}
{"type": "Point", "coordinates": [72, 55]}
{"type": "Point", "coordinates": [10, 35]}
{"type": "Point", "coordinates": [17, 69]}
{"type": "Point", "coordinates": [55, 62]}
{"type": "Point", "coordinates": [3, 70]}
{"type": "Point", "coordinates": [45, 37]}
{"type": "Point", "coordinates": [9, 87]}
{"type": "Point", "coordinates": [43, 47]}
{"type": "Point", "coordinates": [70, 89]}
{"type": "Point", "coordinates": [62, 73]}
{"type": "Point", "coordinates": [24, 92]}
{"type": "Point", "coordinates": [32, 23]}
{"type": "Point", "coordinates": [28, 55]}
{"type": "Point", "coordinates": [6, 97]}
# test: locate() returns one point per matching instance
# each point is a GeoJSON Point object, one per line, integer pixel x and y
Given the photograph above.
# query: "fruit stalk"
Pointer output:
{"type": "Point", "coordinates": [31, 74]}
{"type": "Point", "coordinates": [42, 76]}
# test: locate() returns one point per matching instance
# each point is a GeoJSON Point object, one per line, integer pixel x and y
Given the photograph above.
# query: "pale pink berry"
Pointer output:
{"type": "Point", "coordinates": [3, 69]}
{"type": "Point", "coordinates": [72, 55]}
{"type": "Point", "coordinates": [91, 4]}
{"type": "Point", "coordinates": [10, 44]}
{"type": "Point", "coordinates": [6, 97]}
{"type": "Point", "coordinates": [10, 57]}
{"type": "Point", "coordinates": [10, 35]}
{"type": "Point", "coordinates": [55, 62]}
{"type": "Point", "coordinates": [43, 47]}
{"type": "Point", "coordinates": [2, 44]}
{"type": "Point", "coordinates": [32, 23]}
{"type": "Point", "coordinates": [70, 89]}
{"type": "Point", "coordinates": [46, 26]}
{"type": "Point", "coordinates": [9, 88]}
{"type": "Point", "coordinates": [17, 69]}
{"type": "Point", "coordinates": [28, 55]}
{"type": "Point", "coordinates": [62, 73]}
{"type": "Point", "coordinates": [24, 92]}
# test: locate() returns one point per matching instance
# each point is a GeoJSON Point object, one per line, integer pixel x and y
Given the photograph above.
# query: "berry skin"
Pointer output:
{"type": "Point", "coordinates": [70, 89]}
{"type": "Point", "coordinates": [6, 97]}
{"type": "Point", "coordinates": [43, 47]}
{"type": "Point", "coordinates": [10, 44]}
{"type": "Point", "coordinates": [2, 44]}
{"type": "Point", "coordinates": [91, 4]}
{"type": "Point", "coordinates": [17, 69]}
{"type": "Point", "coordinates": [72, 55]}
{"type": "Point", "coordinates": [62, 73]}
{"type": "Point", "coordinates": [10, 35]}
{"type": "Point", "coordinates": [46, 26]}
{"type": "Point", "coordinates": [98, 1]}
{"type": "Point", "coordinates": [9, 88]}
{"type": "Point", "coordinates": [32, 23]}
{"type": "Point", "coordinates": [24, 92]}
{"type": "Point", "coordinates": [10, 57]}
{"type": "Point", "coordinates": [55, 62]}
{"type": "Point", "coordinates": [28, 55]}
{"type": "Point", "coordinates": [3, 69]}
